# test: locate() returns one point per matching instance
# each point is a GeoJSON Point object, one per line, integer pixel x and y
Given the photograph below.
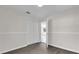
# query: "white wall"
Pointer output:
{"type": "Point", "coordinates": [64, 30]}
{"type": "Point", "coordinates": [16, 31]}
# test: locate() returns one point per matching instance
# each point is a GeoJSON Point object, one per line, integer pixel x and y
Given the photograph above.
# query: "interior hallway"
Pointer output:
{"type": "Point", "coordinates": [40, 48]}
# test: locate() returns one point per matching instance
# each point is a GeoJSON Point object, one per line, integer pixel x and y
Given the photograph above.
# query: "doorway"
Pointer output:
{"type": "Point", "coordinates": [44, 31]}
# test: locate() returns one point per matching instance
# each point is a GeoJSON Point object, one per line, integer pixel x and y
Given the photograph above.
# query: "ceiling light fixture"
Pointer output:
{"type": "Point", "coordinates": [28, 12]}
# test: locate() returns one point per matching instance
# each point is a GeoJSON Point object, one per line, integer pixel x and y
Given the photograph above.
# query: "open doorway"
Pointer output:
{"type": "Point", "coordinates": [44, 32]}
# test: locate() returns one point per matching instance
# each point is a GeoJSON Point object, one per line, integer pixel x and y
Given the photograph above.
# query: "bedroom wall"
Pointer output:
{"type": "Point", "coordinates": [16, 30]}
{"type": "Point", "coordinates": [63, 30]}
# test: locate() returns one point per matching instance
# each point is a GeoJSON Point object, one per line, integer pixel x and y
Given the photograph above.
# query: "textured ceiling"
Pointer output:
{"type": "Point", "coordinates": [38, 12]}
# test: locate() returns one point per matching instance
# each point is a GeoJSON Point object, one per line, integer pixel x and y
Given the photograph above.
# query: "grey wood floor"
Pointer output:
{"type": "Point", "coordinates": [40, 48]}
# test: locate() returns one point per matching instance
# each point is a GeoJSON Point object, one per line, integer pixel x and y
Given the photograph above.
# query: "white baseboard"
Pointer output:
{"type": "Point", "coordinates": [13, 49]}
{"type": "Point", "coordinates": [14, 40]}
{"type": "Point", "coordinates": [64, 48]}
{"type": "Point", "coordinates": [17, 48]}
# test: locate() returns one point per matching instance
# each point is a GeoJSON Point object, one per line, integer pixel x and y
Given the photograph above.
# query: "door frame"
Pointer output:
{"type": "Point", "coordinates": [47, 39]}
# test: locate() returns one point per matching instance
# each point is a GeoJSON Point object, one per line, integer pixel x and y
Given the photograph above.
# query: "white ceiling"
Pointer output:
{"type": "Point", "coordinates": [38, 12]}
